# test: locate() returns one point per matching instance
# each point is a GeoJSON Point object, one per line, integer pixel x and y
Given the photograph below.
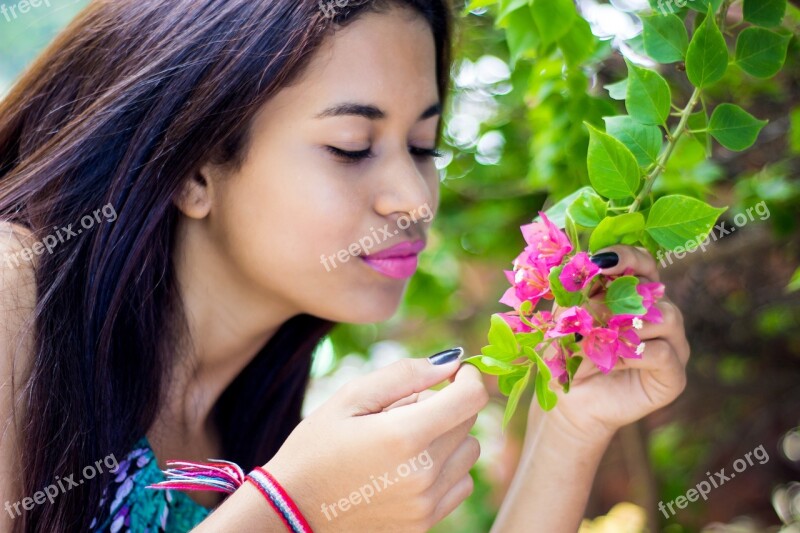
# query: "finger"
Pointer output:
{"type": "Point", "coordinates": [375, 391]}
{"type": "Point", "coordinates": [662, 364]}
{"type": "Point", "coordinates": [456, 467]}
{"type": "Point", "coordinates": [413, 398]}
{"type": "Point", "coordinates": [446, 409]}
{"type": "Point", "coordinates": [444, 446]}
{"type": "Point", "coordinates": [460, 492]}
{"type": "Point", "coordinates": [671, 329]}
{"type": "Point", "coordinates": [636, 259]}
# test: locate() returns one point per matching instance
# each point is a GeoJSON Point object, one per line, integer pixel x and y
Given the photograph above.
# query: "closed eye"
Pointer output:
{"type": "Point", "coordinates": [350, 156]}
{"type": "Point", "coordinates": [426, 152]}
{"type": "Point", "coordinates": [360, 155]}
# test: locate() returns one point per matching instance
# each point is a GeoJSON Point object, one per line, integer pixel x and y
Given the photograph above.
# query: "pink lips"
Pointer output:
{"type": "Point", "coordinates": [398, 262]}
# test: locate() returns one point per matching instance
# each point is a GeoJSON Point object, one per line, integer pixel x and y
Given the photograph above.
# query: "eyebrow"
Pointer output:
{"type": "Point", "coordinates": [371, 112]}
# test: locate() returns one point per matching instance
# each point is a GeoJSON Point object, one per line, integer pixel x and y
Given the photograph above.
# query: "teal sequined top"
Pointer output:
{"type": "Point", "coordinates": [127, 506]}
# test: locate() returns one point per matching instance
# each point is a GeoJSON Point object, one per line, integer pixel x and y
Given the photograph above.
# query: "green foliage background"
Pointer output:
{"type": "Point", "coordinates": [528, 74]}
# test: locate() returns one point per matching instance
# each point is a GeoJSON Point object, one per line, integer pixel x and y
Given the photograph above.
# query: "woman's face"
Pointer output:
{"type": "Point", "coordinates": [292, 222]}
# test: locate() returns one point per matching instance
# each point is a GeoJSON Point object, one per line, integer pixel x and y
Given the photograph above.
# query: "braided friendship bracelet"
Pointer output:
{"type": "Point", "coordinates": [225, 476]}
{"type": "Point", "coordinates": [279, 500]}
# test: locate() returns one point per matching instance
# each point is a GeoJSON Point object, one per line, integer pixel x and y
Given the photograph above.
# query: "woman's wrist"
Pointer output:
{"type": "Point", "coordinates": [298, 488]}
{"type": "Point", "coordinates": [555, 471]}
{"type": "Point", "coordinates": [560, 429]}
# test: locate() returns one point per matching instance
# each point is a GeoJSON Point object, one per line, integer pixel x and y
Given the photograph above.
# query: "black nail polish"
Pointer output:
{"type": "Point", "coordinates": [447, 356]}
{"type": "Point", "coordinates": [606, 259]}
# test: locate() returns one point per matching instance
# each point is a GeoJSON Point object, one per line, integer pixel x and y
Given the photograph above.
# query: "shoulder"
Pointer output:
{"type": "Point", "coordinates": [17, 280]}
{"type": "Point", "coordinates": [17, 302]}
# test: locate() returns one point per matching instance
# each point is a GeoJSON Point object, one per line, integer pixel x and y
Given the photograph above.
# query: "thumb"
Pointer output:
{"type": "Point", "coordinates": [380, 389]}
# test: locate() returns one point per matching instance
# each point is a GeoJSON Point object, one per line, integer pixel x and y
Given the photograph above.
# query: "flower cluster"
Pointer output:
{"type": "Point", "coordinates": [549, 265]}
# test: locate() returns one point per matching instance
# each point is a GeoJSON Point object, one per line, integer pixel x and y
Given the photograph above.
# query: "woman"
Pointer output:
{"type": "Point", "coordinates": [236, 143]}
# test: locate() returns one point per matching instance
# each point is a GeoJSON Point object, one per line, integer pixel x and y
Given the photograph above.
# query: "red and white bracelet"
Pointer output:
{"type": "Point", "coordinates": [225, 476]}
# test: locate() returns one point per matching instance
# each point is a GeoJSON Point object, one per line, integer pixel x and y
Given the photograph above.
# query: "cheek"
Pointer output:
{"type": "Point", "coordinates": [281, 216]}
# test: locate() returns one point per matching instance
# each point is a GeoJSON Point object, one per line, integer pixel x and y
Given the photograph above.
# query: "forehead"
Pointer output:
{"type": "Point", "coordinates": [388, 59]}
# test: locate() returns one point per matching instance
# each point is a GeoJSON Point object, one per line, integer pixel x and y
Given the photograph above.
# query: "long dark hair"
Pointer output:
{"type": "Point", "coordinates": [124, 105]}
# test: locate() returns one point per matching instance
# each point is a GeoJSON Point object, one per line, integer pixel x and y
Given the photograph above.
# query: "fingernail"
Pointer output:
{"type": "Point", "coordinates": [447, 356]}
{"type": "Point", "coordinates": [606, 259]}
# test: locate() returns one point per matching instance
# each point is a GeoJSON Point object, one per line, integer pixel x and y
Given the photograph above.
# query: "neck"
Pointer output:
{"type": "Point", "coordinates": [227, 325]}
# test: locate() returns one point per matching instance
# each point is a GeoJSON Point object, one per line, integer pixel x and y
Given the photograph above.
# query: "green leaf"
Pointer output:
{"type": "Point", "coordinates": [490, 365]}
{"type": "Point", "coordinates": [648, 98]}
{"type": "Point", "coordinates": [764, 12]}
{"type": "Point", "coordinates": [506, 382]}
{"type": "Point", "coordinates": [507, 7]}
{"type": "Point", "coordinates": [707, 57]}
{"type": "Point", "coordinates": [676, 219]}
{"type": "Point", "coordinates": [558, 212]}
{"type": "Point", "coordinates": [665, 37]}
{"type": "Point", "coordinates": [613, 169]}
{"type": "Point", "coordinates": [644, 141]}
{"type": "Point", "coordinates": [702, 5]}
{"type": "Point", "coordinates": [794, 283]}
{"type": "Point", "coordinates": [502, 336]}
{"type": "Point", "coordinates": [761, 53]}
{"type": "Point", "coordinates": [530, 339]}
{"type": "Point", "coordinates": [514, 396]}
{"type": "Point", "coordinates": [564, 298]}
{"type": "Point", "coordinates": [573, 364]}
{"type": "Point", "coordinates": [618, 90]}
{"type": "Point", "coordinates": [546, 397]}
{"type": "Point", "coordinates": [588, 209]}
{"type": "Point", "coordinates": [521, 36]}
{"type": "Point", "coordinates": [553, 18]}
{"type": "Point", "coordinates": [578, 44]}
{"type": "Point", "coordinates": [621, 229]}
{"type": "Point", "coordinates": [622, 297]}
{"type": "Point", "coordinates": [698, 124]}
{"type": "Point", "coordinates": [734, 128]}
{"type": "Point", "coordinates": [495, 352]}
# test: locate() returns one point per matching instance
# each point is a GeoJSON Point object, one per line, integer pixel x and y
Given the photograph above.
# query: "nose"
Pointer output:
{"type": "Point", "coordinates": [405, 186]}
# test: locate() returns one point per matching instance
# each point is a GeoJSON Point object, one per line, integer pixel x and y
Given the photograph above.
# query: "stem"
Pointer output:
{"type": "Point", "coordinates": [673, 137]}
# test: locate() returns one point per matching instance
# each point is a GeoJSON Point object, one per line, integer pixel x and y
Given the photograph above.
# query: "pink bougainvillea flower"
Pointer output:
{"type": "Point", "coordinates": [600, 346]}
{"type": "Point", "coordinates": [558, 364]}
{"type": "Point", "coordinates": [542, 319]}
{"type": "Point", "coordinates": [573, 320]}
{"type": "Point", "coordinates": [651, 293]}
{"type": "Point", "coordinates": [517, 325]}
{"type": "Point", "coordinates": [578, 272]}
{"type": "Point", "coordinates": [546, 241]}
{"type": "Point", "coordinates": [629, 345]}
{"type": "Point", "coordinates": [529, 282]}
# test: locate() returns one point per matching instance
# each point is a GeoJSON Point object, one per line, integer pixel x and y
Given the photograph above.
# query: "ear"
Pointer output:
{"type": "Point", "coordinates": [196, 195]}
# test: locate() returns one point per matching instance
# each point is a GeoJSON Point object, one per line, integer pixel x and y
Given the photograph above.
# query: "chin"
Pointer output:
{"type": "Point", "coordinates": [363, 311]}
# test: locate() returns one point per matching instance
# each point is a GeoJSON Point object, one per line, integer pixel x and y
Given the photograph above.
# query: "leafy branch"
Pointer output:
{"type": "Point", "coordinates": [624, 162]}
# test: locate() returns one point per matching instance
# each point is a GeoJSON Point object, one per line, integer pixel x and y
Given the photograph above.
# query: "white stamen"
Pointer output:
{"type": "Point", "coordinates": [637, 323]}
{"type": "Point", "coordinates": [640, 349]}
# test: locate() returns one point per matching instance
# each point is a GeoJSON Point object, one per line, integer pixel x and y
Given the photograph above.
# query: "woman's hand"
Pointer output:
{"type": "Point", "coordinates": [598, 404]}
{"type": "Point", "coordinates": [564, 446]}
{"type": "Point", "coordinates": [385, 453]}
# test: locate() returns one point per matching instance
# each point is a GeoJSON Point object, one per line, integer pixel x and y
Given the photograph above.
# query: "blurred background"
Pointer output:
{"type": "Point", "coordinates": [515, 143]}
